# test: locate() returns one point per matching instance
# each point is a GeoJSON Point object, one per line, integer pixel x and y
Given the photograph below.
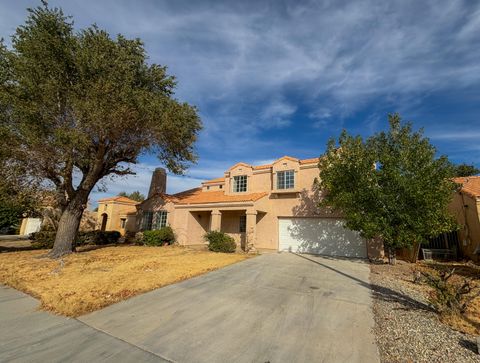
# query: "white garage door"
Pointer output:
{"type": "Point", "coordinates": [33, 225]}
{"type": "Point", "coordinates": [324, 236]}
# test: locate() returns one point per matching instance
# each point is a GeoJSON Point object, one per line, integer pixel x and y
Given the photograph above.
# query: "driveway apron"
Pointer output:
{"type": "Point", "coordinates": [271, 308]}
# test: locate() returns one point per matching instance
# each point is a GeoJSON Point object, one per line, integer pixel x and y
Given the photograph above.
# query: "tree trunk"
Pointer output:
{"type": "Point", "coordinates": [68, 226]}
{"type": "Point", "coordinates": [415, 252]}
{"type": "Point", "coordinates": [392, 256]}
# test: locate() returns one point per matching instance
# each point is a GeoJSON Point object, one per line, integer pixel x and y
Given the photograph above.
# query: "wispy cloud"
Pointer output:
{"type": "Point", "coordinates": [141, 181]}
{"type": "Point", "coordinates": [455, 135]}
{"type": "Point", "coordinates": [273, 78]}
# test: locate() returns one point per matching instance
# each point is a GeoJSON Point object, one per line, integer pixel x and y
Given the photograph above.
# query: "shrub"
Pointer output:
{"type": "Point", "coordinates": [220, 242]}
{"type": "Point", "coordinates": [159, 237]}
{"type": "Point", "coordinates": [138, 238]}
{"type": "Point", "coordinates": [98, 238]}
{"type": "Point", "coordinates": [43, 239]}
{"type": "Point", "coordinates": [450, 297]}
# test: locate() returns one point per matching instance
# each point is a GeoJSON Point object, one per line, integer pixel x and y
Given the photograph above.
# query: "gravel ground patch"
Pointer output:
{"type": "Point", "coordinates": [406, 328]}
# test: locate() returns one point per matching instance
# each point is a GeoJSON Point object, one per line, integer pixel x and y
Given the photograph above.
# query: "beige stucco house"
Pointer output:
{"type": "Point", "coordinates": [270, 207]}
{"type": "Point", "coordinates": [465, 206]}
{"type": "Point", "coordinates": [117, 214]}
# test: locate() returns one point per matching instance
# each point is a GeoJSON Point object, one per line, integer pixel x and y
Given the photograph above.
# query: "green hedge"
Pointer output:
{"type": "Point", "coordinates": [45, 239]}
{"type": "Point", "coordinates": [220, 242]}
{"type": "Point", "coordinates": [158, 237]}
{"type": "Point", "coordinates": [98, 238]}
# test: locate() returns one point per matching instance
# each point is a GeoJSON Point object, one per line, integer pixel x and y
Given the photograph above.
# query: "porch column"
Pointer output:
{"type": "Point", "coordinates": [251, 229]}
{"type": "Point", "coordinates": [216, 220]}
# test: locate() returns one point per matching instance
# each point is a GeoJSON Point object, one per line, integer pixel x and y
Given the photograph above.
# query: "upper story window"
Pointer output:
{"type": "Point", "coordinates": [286, 179]}
{"type": "Point", "coordinates": [239, 183]}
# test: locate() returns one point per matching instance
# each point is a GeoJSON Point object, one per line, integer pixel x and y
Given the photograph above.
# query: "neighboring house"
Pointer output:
{"type": "Point", "coordinates": [29, 225]}
{"type": "Point", "coordinates": [466, 208]}
{"type": "Point", "coordinates": [48, 215]}
{"type": "Point", "coordinates": [116, 214]}
{"type": "Point", "coordinates": [268, 207]}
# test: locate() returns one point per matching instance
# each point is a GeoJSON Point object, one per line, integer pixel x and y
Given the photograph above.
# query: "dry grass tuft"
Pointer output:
{"type": "Point", "coordinates": [469, 322]}
{"type": "Point", "coordinates": [90, 280]}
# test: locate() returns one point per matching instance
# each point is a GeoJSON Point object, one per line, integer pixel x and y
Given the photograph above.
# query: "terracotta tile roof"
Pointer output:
{"type": "Point", "coordinates": [119, 199]}
{"type": "Point", "coordinates": [259, 167]}
{"type": "Point", "coordinates": [197, 196]}
{"type": "Point", "coordinates": [470, 185]}
{"type": "Point", "coordinates": [309, 161]}
{"type": "Point", "coordinates": [240, 164]}
{"type": "Point", "coordinates": [286, 157]}
{"type": "Point", "coordinates": [217, 180]}
{"type": "Point", "coordinates": [303, 161]}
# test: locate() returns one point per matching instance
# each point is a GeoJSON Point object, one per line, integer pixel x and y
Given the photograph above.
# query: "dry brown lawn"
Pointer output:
{"type": "Point", "coordinates": [92, 279]}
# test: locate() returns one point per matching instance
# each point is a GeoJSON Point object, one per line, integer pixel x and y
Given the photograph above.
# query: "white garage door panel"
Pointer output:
{"type": "Point", "coordinates": [324, 236]}
{"type": "Point", "coordinates": [33, 225]}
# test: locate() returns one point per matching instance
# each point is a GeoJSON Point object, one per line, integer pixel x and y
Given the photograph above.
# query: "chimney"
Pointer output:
{"type": "Point", "coordinates": [159, 182]}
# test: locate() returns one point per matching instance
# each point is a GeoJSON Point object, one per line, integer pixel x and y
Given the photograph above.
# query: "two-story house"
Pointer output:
{"type": "Point", "coordinates": [267, 207]}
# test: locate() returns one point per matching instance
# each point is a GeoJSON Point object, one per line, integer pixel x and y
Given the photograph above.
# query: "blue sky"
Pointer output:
{"type": "Point", "coordinates": [274, 78]}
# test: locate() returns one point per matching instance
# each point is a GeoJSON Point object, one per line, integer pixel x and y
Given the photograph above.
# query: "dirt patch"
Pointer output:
{"type": "Point", "coordinates": [90, 280]}
{"type": "Point", "coordinates": [407, 328]}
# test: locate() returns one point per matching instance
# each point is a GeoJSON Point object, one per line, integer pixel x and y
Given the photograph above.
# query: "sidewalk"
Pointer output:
{"type": "Point", "coordinates": [30, 335]}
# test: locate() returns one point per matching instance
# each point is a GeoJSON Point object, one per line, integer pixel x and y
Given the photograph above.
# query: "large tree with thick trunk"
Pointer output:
{"type": "Point", "coordinates": [78, 106]}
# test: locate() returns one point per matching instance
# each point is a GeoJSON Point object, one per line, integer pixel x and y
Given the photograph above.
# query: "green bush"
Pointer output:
{"type": "Point", "coordinates": [45, 239]}
{"type": "Point", "coordinates": [220, 242]}
{"type": "Point", "coordinates": [98, 238]}
{"type": "Point", "coordinates": [159, 237]}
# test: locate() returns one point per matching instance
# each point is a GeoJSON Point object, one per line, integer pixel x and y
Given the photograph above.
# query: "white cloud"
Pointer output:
{"type": "Point", "coordinates": [277, 114]}
{"type": "Point", "coordinates": [251, 66]}
{"type": "Point", "coordinates": [141, 182]}
{"type": "Point", "coordinates": [454, 135]}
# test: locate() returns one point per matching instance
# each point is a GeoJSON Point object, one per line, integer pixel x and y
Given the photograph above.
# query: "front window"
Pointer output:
{"type": "Point", "coordinates": [123, 222]}
{"type": "Point", "coordinates": [160, 219]}
{"type": "Point", "coordinates": [239, 183]}
{"type": "Point", "coordinates": [147, 221]}
{"type": "Point", "coordinates": [286, 179]}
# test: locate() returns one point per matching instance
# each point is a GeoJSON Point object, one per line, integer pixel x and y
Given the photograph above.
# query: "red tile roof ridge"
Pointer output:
{"type": "Point", "coordinates": [119, 198]}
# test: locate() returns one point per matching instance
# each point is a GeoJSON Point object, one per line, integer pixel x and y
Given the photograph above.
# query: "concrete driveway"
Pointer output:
{"type": "Point", "coordinates": [272, 308]}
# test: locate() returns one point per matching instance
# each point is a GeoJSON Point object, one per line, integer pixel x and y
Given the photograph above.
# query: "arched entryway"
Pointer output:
{"type": "Point", "coordinates": [104, 222]}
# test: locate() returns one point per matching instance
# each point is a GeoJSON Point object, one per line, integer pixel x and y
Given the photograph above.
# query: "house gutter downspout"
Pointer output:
{"type": "Point", "coordinates": [466, 227]}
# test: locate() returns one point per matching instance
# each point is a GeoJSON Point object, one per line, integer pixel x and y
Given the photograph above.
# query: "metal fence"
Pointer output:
{"type": "Point", "coordinates": [446, 241]}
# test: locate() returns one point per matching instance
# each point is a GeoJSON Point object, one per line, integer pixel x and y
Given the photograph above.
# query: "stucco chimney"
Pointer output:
{"type": "Point", "coordinates": [159, 182]}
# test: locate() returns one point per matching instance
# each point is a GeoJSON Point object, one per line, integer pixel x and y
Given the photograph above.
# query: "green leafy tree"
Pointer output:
{"type": "Point", "coordinates": [80, 106]}
{"type": "Point", "coordinates": [136, 195]}
{"type": "Point", "coordinates": [10, 215]}
{"type": "Point", "coordinates": [465, 170]}
{"type": "Point", "coordinates": [19, 195]}
{"type": "Point", "coordinates": [390, 186]}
